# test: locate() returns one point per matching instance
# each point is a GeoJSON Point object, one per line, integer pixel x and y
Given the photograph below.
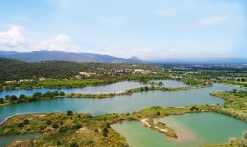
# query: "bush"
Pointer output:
{"type": "Point", "coordinates": [58, 142]}
{"type": "Point", "coordinates": [105, 130]}
{"type": "Point", "coordinates": [69, 112]}
{"type": "Point", "coordinates": [62, 129]}
{"type": "Point", "coordinates": [42, 127]}
{"type": "Point", "coordinates": [48, 122]}
{"type": "Point", "coordinates": [108, 125]}
{"type": "Point", "coordinates": [20, 124]}
{"type": "Point", "coordinates": [105, 134]}
{"type": "Point", "coordinates": [55, 125]}
{"type": "Point", "coordinates": [77, 126]}
{"type": "Point", "coordinates": [158, 113]}
{"type": "Point", "coordinates": [74, 144]}
{"type": "Point", "coordinates": [1, 100]}
{"type": "Point", "coordinates": [26, 121]}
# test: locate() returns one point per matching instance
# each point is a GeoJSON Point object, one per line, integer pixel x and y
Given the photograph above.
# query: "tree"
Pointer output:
{"type": "Point", "coordinates": [74, 144]}
{"type": "Point", "coordinates": [13, 97]}
{"type": "Point", "coordinates": [55, 125]}
{"type": "Point", "coordinates": [22, 96]}
{"type": "Point", "coordinates": [108, 125]}
{"type": "Point", "coordinates": [48, 122]}
{"type": "Point", "coordinates": [6, 97]}
{"type": "Point", "coordinates": [61, 93]}
{"type": "Point", "coordinates": [26, 121]}
{"type": "Point", "coordinates": [105, 130]}
{"type": "Point", "coordinates": [69, 112]}
{"type": "Point", "coordinates": [37, 94]}
{"type": "Point", "coordinates": [1, 100]}
{"type": "Point", "coordinates": [20, 124]}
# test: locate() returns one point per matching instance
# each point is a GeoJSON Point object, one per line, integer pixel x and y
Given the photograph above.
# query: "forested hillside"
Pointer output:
{"type": "Point", "coordinates": [16, 70]}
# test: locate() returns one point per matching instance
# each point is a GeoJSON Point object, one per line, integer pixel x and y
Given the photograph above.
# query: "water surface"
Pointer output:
{"type": "Point", "coordinates": [5, 140]}
{"type": "Point", "coordinates": [193, 130]}
{"type": "Point", "coordinates": [119, 104]}
{"type": "Point", "coordinates": [115, 87]}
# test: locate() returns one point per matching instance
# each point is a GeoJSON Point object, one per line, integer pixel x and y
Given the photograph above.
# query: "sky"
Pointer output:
{"type": "Point", "coordinates": [148, 29]}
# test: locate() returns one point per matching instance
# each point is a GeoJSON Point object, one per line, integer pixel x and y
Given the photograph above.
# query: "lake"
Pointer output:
{"type": "Point", "coordinates": [119, 104]}
{"type": "Point", "coordinates": [193, 130]}
{"type": "Point", "coordinates": [115, 87]}
{"type": "Point", "coordinates": [5, 140]}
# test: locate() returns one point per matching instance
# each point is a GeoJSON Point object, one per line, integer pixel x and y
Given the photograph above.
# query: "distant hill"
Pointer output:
{"type": "Point", "coordinates": [65, 56]}
{"type": "Point", "coordinates": [213, 60]}
{"type": "Point", "coordinates": [135, 58]}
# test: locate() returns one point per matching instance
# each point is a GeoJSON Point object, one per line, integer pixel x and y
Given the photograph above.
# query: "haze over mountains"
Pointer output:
{"type": "Point", "coordinates": [45, 55]}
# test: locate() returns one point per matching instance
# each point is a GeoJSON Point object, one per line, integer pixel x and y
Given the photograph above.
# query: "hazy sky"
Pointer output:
{"type": "Point", "coordinates": [149, 29]}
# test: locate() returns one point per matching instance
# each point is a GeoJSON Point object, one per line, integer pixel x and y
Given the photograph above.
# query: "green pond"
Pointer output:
{"type": "Point", "coordinates": [193, 130]}
{"type": "Point", "coordinates": [5, 140]}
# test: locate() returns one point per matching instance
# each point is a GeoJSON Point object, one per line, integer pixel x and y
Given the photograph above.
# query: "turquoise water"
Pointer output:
{"type": "Point", "coordinates": [120, 104]}
{"type": "Point", "coordinates": [5, 140]}
{"type": "Point", "coordinates": [115, 87]}
{"type": "Point", "coordinates": [124, 104]}
{"type": "Point", "coordinates": [193, 130]}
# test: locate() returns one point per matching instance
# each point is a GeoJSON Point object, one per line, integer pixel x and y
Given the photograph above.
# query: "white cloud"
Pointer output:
{"type": "Point", "coordinates": [111, 21]}
{"type": "Point", "coordinates": [13, 40]}
{"type": "Point", "coordinates": [214, 20]}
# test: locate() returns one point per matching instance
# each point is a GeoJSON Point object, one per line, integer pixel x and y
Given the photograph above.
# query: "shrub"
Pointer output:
{"type": "Point", "coordinates": [105, 134]}
{"type": "Point", "coordinates": [108, 125]}
{"type": "Point", "coordinates": [69, 112]}
{"type": "Point", "coordinates": [62, 129]}
{"type": "Point", "coordinates": [20, 124]}
{"type": "Point", "coordinates": [105, 130]}
{"type": "Point", "coordinates": [55, 125]}
{"type": "Point", "coordinates": [48, 122]}
{"type": "Point", "coordinates": [42, 127]}
{"type": "Point", "coordinates": [77, 126]}
{"type": "Point", "coordinates": [74, 144]}
{"type": "Point", "coordinates": [26, 121]}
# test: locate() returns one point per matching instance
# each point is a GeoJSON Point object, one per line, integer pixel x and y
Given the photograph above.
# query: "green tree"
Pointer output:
{"type": "Point", "coordinates": [55, 125]}
{"type": "Point", "coordinates": [48, 122]}
{"type": "Point", "coordinates": [26, 121]}
{"type": "Point", "coordinates": [69, 112]}
{"type": "Point", "coordinates": [105, 130]}
{"type": "Point", "coordinates": [22, 96]}
{"type": "Point", "coordinates": [1, 100]}
{"type": "Point", "coordinates": [13, 98]}
{"type": "Point", "coordinates": [108, 125]}
{"type": "Point", "coordinates": [37, 94]}
{"type": "Point", "coordinates": [74, 144]}
{"type": "Point", "coordinates": [61, 93]}
{"type": "Point", "coordinates": [6, 97]}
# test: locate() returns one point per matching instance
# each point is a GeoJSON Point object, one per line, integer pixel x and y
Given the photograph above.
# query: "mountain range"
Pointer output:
{"type": "Point", "coordinates": [45, 55]}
